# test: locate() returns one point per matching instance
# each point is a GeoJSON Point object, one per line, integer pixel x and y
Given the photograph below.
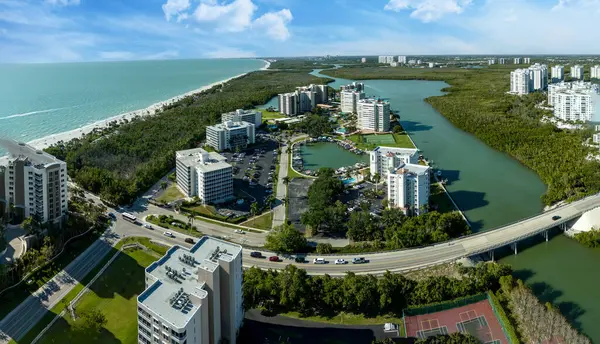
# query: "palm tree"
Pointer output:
{"type": "Point", "coordinates": [270, 201]}
{"type": "Point", "coordinates": [254, 211]}
{"type": "Point", "coordinates": [163, 185]}
{"type": "Point", "coordinates": [286, 180]}
{"type": "Point", "coordinates": [376, 179]}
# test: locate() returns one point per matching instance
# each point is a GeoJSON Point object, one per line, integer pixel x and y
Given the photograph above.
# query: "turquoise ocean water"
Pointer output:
{"type": "Point", "coordinates": [37, 100]}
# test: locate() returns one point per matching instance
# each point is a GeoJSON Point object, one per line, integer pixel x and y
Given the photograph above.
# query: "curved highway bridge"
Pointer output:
{"type": "Point", "coordinates": [418, 258]}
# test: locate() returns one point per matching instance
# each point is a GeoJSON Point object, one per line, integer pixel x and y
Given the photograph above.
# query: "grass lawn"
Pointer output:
{"type": "Point", "coordinates": [270, 115]}
{"type": "Point", "coordinates": [291, 173]}
{"type": "Point", "coordinates": [264, 221]}
{"type": "Point", "coordinates": [14, 297]}
{"type": "Point", "coordinates": [371, 141]}
{"type": "Point", "coordinates": [115, 295]}
{"type": "Point", "coordinates": [350, 319]}
{"type": "Point", "coordinates": [171, 193]}
{"type": "Point", "coordinates": [208, 210]}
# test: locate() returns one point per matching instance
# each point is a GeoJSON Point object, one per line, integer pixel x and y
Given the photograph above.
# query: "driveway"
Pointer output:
{"type": "Point", "coordinates": [14, 247]}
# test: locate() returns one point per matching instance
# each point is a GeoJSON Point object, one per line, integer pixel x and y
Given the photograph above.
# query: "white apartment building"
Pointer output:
{"type": "Point", "coordinates": [205, 175]}
{"type": "Point", "coordinates": [250, 116]}
{"type": "Point", "coordinates": [517, 60]}
{"type": "Point", "coordinates": [595, 72]}
{"type": "Point", "coordinates": [570, 86]}
{"type": "Point", "coordinates": [304, 99]}
{"type": "Point", "coordinates": [230, 135]}
{"type": "Point", "coordinates": [349, 100]}
{"type": "Point", "coordinates": [394, 64]}
{"type": "Point", "coordinates": [431, 64]}
{"type": "Point", "coordinates": [558, 74]}
{"type": "Point", "coordinates": [577, 72]}
{"type": "Point", "coordinates": [527, 60]}
{"type": "Point", "coordinates": [386, 159]}
{"type": "Point", "coordinates": [502, 61]}
{"type": "Point", "coordinates": [373, 114]}
{"type": "Point", "coordinates": [408, 188]}
{"type": "Point", "coordinates": [519, 81]}
{"type": "Point", "coordinates": [355, 86]}
{"type": "Point", "coordinates": [574, 105]}
{"type": "Point", "coordinates": [419, 61]}
{"type": "Point", "coordinates": [412, 62]}
{"type": "Point", "coordinates": [363, 60]}
{"type": "Point", "coordinates": [386, 59]}
{"type": "Point", "coordinates": [538, 77]}
{"type": "Point", "coordinates": [33, 182]}
{"type": "Point", "coordinates": [193, 296]}
{"type": "Point", "coordinates": [596, 138]}
{"type": "Point", "coordinates": [491, 61]}
{"type": "Point", "coordinates": [402, 59]}
{"type": "Point", "coordinates": [288, 104]}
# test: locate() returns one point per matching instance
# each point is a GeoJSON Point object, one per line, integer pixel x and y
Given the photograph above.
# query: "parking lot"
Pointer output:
{"type": "Point", "coordinates": [254, 173]}
{"type": "Point", "coordinates": [352, 197]}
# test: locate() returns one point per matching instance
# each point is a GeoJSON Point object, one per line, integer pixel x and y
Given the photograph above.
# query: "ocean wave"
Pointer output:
{"type": "Point", "coordinates": [25, 114]}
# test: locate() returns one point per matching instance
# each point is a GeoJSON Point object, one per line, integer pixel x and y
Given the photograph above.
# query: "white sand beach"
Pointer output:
{"type": "Point", "coordinates": [47, 141]}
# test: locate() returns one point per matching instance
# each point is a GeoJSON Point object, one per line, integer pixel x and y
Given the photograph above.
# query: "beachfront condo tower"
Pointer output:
{"type": "Point", "coordinates": [408, 188]}
{"type": "Point", "coordinates": [538, 77]}
{"type": "Point", "coordinates": [349, 100]}
{"type": "Point", "coordinates": [373, 115]}
{"type": "Point", "coordinates": [595, 72]}
{"type": "Point", "coordinates": [519, 81]}
{"type": "Point", "coordinates": [193, 296]}
{"type": "Point", "coordinates": [230, 135]}
{"type": "Point", "coordinates": [303, 100]}
{"type": "Point", "coordinates": [250, 116]}
{"type": "Point", "coordinates": [577, 72]}
{"type": "Point", "coordinates": [558, 74]}
{"type": "Point", "coordinates": [205, 175]}
{"type": "Point", "coordinates": [34, 183]}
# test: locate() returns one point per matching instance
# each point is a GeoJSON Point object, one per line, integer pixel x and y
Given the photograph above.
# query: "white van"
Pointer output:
{"type": "Point", "coordinates": [319, 261]}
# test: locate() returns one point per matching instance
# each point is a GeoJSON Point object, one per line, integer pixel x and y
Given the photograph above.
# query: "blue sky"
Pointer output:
{"type": "Point", "coordinates": [96, 30]}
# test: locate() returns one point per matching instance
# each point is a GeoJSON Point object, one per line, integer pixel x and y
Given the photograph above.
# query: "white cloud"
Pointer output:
{"type": "Point", "coordinates": [428, 10]}
{"type": "Point", "coordinates": [116, 55]}
{"type": "Point", "coordinates": [63, 2]}
{"type": "Point", "coordinates": [235, 16]}
{"type": "Point", "coordinates": [275, 24]}
{"type": "Point", "coordinates": [176, 8]}
{"type": "Point", "coordinates": [229, 52]}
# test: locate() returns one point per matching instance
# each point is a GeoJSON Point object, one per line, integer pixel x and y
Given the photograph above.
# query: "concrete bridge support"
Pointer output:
{"type": "Point", "coordinates": [563, 226]}
{"type": "Point", "coordinates": [491, 253]}
{"type": "Point", "coordinates": [513, 246]}
{"type": "Point", "coordinates": [545, 234]}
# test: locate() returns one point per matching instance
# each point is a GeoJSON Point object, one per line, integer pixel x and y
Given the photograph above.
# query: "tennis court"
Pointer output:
{"type": "Point", "coordinates": [379, 139]}
{"type": "Point", "coordinates": [477, 318]}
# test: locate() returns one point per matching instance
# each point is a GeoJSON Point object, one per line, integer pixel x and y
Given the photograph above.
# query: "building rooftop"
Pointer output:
{"type": "Point", "coordinates": [22, 150]}
{"type": "Point", "coordinates": [241, 112]}
{"type": "Point", "coordinates": [231, 125]}
{"type": "Point", "coordinates": [410, 168]}
{"type": "Point", "coordinates": [373, 101]}
{"type": "Point", "coordinates": [394, 150]}
{"type": "Point", "coordinates": [177, 294]}
{"type": "Point", "coordinates": [202, 160]}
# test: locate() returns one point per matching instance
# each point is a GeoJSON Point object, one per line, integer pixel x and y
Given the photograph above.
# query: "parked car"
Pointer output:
{"type": "Point", "coordinates": [169, 234]}
{"type": "Point", "coordinates": [300, 260]}
{"type": "Point", "coordinates": [359, 260]}
{"type": "Point", "coordinates": [255, 254]}
{"type": "Point", "coordinates": [555, 217]}
{"type": "Point", "coordinates": [319, 261]}
{"type": "Point", "coordinates": [273, 259]}
{"type": "Point", "coordinates": [189, 240]}
{"type": "Point", "coordinates": [340, 261]}
{"type": "Point", "coordinates": [239, 231]}
{"type": "Point", "coordinates": [112, 215]}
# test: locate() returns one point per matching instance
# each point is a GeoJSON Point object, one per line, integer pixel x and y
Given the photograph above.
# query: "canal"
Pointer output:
{"type": "Point", "coordinates": [493, 189]}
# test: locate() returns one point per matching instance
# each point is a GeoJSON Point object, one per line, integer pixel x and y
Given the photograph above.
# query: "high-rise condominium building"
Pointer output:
{"type": "Point", "coordinates": [527, 60]}
{"type": "Point", "coordinates": [386, 59]}
{"type": "Point", "coordinates": [574, 101]}
{"type": "Point", "coordinates": [517, 60]}
{"type": "Point", "coordinates": [595, 72]}
{"type": "Point", "coordinates": [501, 61]}
{"type": "Point", "coordinates": [519, 81]}
{"type": "Point", "coordinates": [596, 138]}
{"type": "Point", "coordinates": [230, 135]}
{"type": "Point", "coordinates": [577, 72]}
{"type": "Point", "coordinates": [363, 60]}
{"type": "Point", "coordinates": [349, 100]}
{"type": "Point", "coordinates": [402, 59]}
{"type": "Point", "coordinates": [355, 86]}
{"type": "Point", "coordinates": [491, 61]}
{"type": "Point", "coordinates": [205, 175]}
{"type": "Point", "coordinates": [408, 188]}
{"type": "Point", "coordinates": [304, 99]}
{"type": "Point", "coordinates": [538, 77]}
{"type": "Point", "coordinates": [386, 159]}
{"type": "Point", "coordinates": [558, 74]}
{"type": "Point", "coordinates": [33, 182]}
{"type": "Point", "coordinates": [373, 114]}
{"type": "Point", "coordinates": [250, 116]}
{"type": "Point", "coordinates": [193, 296]}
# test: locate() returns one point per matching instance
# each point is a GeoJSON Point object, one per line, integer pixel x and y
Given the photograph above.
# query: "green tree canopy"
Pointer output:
{"type": "Point", "coordinates": [285, 239]}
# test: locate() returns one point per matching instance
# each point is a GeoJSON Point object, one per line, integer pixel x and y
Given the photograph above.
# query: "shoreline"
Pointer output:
{"type": "Point", "coordinates": [153, 109]}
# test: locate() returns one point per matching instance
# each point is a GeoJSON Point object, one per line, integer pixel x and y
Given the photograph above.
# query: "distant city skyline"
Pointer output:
{"type": "Point", "coordinates": [86, 30]}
